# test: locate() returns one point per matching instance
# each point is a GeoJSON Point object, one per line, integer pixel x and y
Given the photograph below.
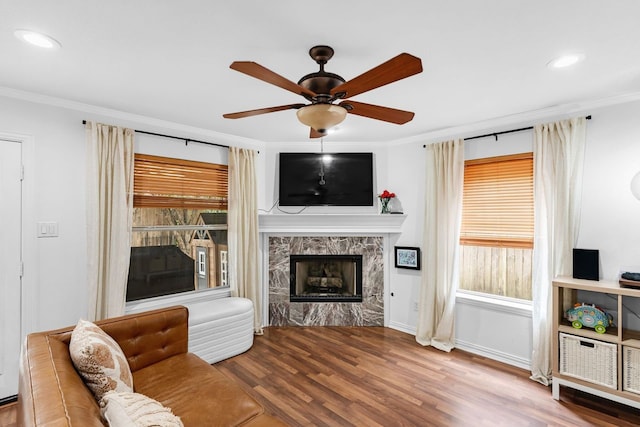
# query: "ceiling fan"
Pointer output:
{"type": "Point", "coordinates": [328, 92]}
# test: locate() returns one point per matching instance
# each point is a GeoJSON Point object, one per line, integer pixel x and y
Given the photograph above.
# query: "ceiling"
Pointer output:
{"type": "Point", "coordinates": [170, 60]}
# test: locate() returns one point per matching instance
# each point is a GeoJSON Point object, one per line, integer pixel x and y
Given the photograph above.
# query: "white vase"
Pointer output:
{"type": "Point", "coordinates": [395, 207]}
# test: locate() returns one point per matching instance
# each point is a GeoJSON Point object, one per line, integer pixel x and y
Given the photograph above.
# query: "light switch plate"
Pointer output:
{"type": "Point", "coordinates": [47, 229]}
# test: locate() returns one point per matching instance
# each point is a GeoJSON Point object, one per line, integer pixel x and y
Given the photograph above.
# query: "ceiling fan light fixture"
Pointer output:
{"type": "Point", "coordinates": [321, 116]}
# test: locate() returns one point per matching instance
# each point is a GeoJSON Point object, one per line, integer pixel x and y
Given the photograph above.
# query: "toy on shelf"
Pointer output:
{"type": "Point", "coordinates": [589, 315]}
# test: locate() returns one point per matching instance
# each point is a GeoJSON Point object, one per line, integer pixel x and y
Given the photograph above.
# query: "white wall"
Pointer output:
{"type": "Point", "coordinates": [55, 268]}
{"type": "Point", "coordinates": [406, 179]}
{"type": "Point", "coordinates": [500, 332]}
{"type": "Point", "coordinates": [54, 285]}
{"type": "Point", "coordinates": [610, 223]}
{"type": "Point", "coordinates": [610, 213]}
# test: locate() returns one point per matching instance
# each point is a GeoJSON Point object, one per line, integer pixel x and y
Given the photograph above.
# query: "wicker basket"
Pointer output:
{"type": "Point", "coordinates": [589, 360]}
{"type": "Point", "coordinates": [631, 369]}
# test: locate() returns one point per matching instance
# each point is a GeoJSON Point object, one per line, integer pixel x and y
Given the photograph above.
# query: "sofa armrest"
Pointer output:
{"type": "Point", "coordinates": [50, 392]}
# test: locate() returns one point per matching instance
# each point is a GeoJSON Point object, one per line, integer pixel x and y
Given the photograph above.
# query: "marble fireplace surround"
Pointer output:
{"type": "Point", "coordinates": [333, 234]}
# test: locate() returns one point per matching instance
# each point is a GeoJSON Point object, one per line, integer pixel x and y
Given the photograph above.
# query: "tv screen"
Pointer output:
{"type": "Point", "coordinates": [329, 179]}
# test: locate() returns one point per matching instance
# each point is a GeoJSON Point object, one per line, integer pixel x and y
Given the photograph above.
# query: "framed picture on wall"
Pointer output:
{"type": "Point", "coordinates": [407, 257]}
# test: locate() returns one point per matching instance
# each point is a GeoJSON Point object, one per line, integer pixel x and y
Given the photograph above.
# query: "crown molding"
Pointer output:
{"type": "Point", "coordinates": [495, 124]}
{"type": "Point", "coordinates": [526, 118]}
{"type": "Point", "coordinates": [154, 123]}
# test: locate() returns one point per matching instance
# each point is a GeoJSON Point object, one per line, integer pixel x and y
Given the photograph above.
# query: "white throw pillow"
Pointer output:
{"type": "Point", "coordinates": [122, 409]}
{"type": "Point", "coordinates": [99, 360]}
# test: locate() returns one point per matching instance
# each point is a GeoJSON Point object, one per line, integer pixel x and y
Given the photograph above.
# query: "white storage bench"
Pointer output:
{"type": "Point", "coordinates": [219, 329]}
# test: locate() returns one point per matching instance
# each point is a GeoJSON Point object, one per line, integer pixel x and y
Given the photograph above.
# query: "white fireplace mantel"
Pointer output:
{"type": "Point", "coordinates": [331, 223]}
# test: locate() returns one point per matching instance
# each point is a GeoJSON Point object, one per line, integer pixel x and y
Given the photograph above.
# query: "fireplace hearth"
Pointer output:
{"type": "Point", "coordinates": [325, 278]}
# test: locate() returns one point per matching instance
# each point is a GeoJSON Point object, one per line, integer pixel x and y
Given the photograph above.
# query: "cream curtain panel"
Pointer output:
{"type": "Point", "coordinates": [109, 217]}
{"type": "Point", "coordinates": [443, 213]}
{"type": "Point", "coordinates": [558, 150]}
{"type": "Point", "coordinates": [243, 230]}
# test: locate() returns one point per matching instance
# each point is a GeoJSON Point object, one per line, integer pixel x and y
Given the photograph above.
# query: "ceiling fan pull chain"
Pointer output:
{"type": "Point", "coordinates": [321, 174]}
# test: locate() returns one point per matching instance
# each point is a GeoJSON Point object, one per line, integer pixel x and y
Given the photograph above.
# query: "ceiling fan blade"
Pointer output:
{"type": "Point", "coordinates": [259, 72]}
{"type": "Point", "coordinates": [316, 134]}
{"type": "Point", "coordinates": [258, 111]}
{"type": "Point", "coordinates": [397, 68]}
{"type": "Point", "coordinates": [377, 112]}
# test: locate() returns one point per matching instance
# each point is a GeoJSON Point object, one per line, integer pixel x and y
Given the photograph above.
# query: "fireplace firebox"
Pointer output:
{"type": "Point", "coordinates": [326, 278]}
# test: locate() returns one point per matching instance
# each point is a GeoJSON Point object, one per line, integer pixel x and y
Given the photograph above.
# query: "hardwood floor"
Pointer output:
{"type": "Point", "coordinates": [343, 376]}
{"type": "Point", "coordinates": [8, 415]}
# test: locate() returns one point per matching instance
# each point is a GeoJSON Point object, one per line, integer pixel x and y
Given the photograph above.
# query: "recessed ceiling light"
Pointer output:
{"type": "Point", "coordinates": [565, 60]}
{"type": "Point", "coordinates": [37, 39]}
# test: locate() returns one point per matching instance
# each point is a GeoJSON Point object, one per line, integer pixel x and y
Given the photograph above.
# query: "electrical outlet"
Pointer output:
{"type": "Point", "coordinates": [415, 306]}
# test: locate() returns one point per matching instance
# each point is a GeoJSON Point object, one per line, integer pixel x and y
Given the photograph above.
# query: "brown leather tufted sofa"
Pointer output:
{"type": "Point", "coordinates": [52, 394]}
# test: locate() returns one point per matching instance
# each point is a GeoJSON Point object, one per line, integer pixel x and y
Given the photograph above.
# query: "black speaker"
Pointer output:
{"type": "Point", "coordinates": [586, 264]}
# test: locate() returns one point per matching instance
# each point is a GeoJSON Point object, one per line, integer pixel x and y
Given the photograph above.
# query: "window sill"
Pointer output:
{"type": "Point", "coordinates": [177, 299]}
{"type": "Point", "coordinates": [517, 307]}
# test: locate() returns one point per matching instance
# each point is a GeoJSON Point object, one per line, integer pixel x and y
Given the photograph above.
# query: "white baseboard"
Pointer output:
{"type": "Point", "coordinates": [489, 353]}
{"type": "Point", "coordinates": [403, 328]}
{"type": "Point", "coordinates": [499, 356]}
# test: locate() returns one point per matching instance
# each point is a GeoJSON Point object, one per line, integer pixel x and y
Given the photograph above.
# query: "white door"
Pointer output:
{"type": "Point", "coordinates": [10, 264]}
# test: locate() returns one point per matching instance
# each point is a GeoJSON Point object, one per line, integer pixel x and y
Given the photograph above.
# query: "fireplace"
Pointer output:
{"type": "Point", "coordinates": [325, 278]}
{"type": "Point", "coordinates": [326, 312]}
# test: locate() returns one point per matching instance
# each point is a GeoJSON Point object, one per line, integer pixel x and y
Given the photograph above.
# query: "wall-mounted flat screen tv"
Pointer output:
{"type": "Point", "coordinates": [327, 179]}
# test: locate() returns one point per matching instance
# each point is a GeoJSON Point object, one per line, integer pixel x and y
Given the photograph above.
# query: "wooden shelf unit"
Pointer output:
{"type": "Point", "coordinates": [565, 295]}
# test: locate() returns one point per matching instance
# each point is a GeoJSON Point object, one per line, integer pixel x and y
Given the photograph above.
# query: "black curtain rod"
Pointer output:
{"type": "Point", "coordinates": [186, 140]}
{"type": "Point", "coordinates": [495, 134]}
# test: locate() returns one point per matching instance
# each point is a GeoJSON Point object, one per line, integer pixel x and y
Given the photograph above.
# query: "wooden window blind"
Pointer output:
{"type": "Point", "coordinates": [497, 206]}
{"type": "Point", "coordinates": [162, 182]}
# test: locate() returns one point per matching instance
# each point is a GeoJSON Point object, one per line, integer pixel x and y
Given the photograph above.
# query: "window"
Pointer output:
{"type": "Point", "coordinates": [202, 262]}
{"type": "Point", "coordinates": [179, 239]}
{"type": "Point", "coordinates": [223, 269]}
{"type": "Point", "coordinates": [496, 235]}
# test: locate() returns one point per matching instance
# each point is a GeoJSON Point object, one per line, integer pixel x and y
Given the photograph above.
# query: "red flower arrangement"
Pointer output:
{"type": "Point", "coordinates": [386, 195]}
{"type": "Point", "coordinates": [384, 200]}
